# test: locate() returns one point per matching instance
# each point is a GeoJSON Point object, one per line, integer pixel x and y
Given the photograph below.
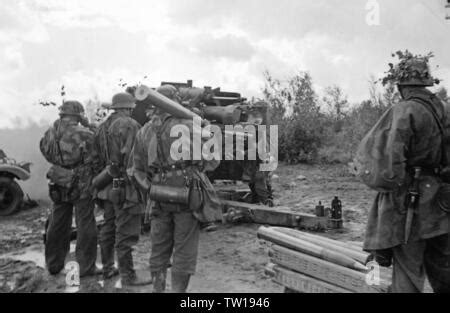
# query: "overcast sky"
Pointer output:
{"type": "Point", "coordinates": [89, 45]}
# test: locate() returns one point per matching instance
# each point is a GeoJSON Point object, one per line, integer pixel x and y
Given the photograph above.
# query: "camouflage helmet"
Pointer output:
{"type": "Point", "coordinates": [168, 91]}
{"type": "Point", "coordinates": [123, 101]}
{"type": "Point", "coordinates": [412, 70]}
{"type": "Point", "coordinates": [71, 108]}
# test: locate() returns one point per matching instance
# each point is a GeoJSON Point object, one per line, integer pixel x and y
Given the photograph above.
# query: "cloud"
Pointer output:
{"type": "Point", "coordinates": [11, 60]}
{"type": "Point", "coordinates": [228, 46]}
{"type": "Point", "coordinates": [273, 18]}
{"type": "Point", "coordinates": [19, 23]}
{"type": "Point", "coordinates": [90, 45]}
{"type": "Point", "coordinates": [131, 15]}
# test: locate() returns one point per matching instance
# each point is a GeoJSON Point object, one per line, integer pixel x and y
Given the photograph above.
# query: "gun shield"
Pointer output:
{"type": "Point", "coordinates": [228, 115]}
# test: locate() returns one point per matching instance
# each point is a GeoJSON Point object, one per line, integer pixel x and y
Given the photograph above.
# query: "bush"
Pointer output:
{"type": "Point", "coordinates": [299, 141]}
{"type": "Point", "coordinates": [294, 108]}
{"type": "Point", "coordinates": [308, 135]}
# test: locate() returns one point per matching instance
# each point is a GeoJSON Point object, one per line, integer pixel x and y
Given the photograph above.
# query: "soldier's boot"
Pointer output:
{"type": "Point", "coordinates": [180, 282]}
{"type": "Point", "coordinates": [159, 281]}
{"type": "Point", "coordinates": [92, 272]}
{"type": "Point", "coordinates": [110, 272]}
{"type": "Point", "coordinates": [209, 227]}
{"type": "Point", "coordinates": [134, 280]}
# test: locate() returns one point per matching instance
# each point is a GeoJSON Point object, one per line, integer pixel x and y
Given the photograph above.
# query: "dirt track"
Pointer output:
{"type": "Point", "coordinates": [230, 259]}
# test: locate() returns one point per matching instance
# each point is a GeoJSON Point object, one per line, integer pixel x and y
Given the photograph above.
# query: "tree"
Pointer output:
{"type": "Point", "coordinates": [295, 109]}
{"type": "Point", "coordinates": [442, 93]}
{"type": "Point", "coordinates": [390, 95]}
{"type": "Point", "coordinates": [337, 103]}
{"type": "Point", "coordinates": [295, 96]}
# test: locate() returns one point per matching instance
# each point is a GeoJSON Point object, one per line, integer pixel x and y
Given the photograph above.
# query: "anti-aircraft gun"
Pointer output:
{"type": "Point", "coordinates": [230, 109]}
{"type": "Point", "coordinates": [225, 108]}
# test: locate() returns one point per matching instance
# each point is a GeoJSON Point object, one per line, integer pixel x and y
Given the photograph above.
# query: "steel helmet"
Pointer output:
{"type": "Point", "coordinates": [123, 101]}
{"type": "Point", "coordinates": [418, 73]}
{"type": "Point", "coordinates": [411, 70]}
{"type": "Point", "coordinates": [73, 108]}
{"type": "Point", "coordinates": [168, 91]}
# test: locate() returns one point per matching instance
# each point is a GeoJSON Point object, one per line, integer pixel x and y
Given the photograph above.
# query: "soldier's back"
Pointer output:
{"type": "Point", "coordinates": [123, 123]}
{"type": "Point", "coordinates": [74, 142]}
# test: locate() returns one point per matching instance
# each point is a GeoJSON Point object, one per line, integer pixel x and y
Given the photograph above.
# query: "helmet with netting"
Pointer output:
{"type": "Point", "coordinates": [411, 70]}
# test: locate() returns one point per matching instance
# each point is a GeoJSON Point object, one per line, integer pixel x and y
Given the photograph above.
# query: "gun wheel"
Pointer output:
{"type": "Point", "coordinates": [11, 196]}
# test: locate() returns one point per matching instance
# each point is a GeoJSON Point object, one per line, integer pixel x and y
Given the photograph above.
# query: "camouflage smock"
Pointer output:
{"type": "Point", "coordinates": [146, 161]}
{"type": "Point", "coordinates": [76, 145]}
{"type": "Point", "coordinates": [114, 139]}
{"type": "Point", "coordinates": [415, 140]}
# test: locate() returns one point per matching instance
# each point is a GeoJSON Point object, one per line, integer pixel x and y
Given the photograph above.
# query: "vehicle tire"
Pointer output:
{"type": "Point", "coordinates": [11, 196]}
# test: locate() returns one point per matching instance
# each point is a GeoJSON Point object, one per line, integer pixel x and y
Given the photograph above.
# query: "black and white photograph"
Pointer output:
{"type": "Point", "coordinates": [239, 154]}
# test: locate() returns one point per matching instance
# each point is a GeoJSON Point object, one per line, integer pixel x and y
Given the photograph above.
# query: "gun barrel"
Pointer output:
{"type": "Point", "coordinates": [144, 93]}
{"type": "Point", "coordinates": [238, 133]}
{"type": "Point", "coordinates": [226, 98]}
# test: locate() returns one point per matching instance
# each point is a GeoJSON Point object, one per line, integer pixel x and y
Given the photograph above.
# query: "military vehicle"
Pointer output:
{"type": "Point", "coordinates": [224, 108]}
{"type": "Point", "coordinates": [11, 195]}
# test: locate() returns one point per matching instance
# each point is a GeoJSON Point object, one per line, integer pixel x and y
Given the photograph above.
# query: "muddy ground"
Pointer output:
{"type": "Point", "coordinates": [231, 259]}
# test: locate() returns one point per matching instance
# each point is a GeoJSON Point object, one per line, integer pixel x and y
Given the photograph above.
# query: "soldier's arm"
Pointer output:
{"type": "Point", "coordinates": [211, 165]}
{"type": "Point", "coordinates": [99, 161]}
{"type": "Point", "coordinates": [91, 155]}
{"type": "Point", "coordinates": [127, 136]}
{"type": "Point", "coordinates": [137, 165]}
{"type": "Point", "coordinates": [120, 142]}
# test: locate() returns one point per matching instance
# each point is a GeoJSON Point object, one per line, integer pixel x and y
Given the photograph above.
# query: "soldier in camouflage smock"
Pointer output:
{"type": "Point", "coordinates": [175, 227]}
{"type": "Point", "coordinates": [122, 206]}
{"type": "Point", "coordinates": [68, 146]}
{"type": "Point", "coordinates": [414, 141]}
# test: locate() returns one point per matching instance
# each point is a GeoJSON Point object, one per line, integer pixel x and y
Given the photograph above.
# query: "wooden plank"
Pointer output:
{"type": "Point", "coordinates": [325, 271]}
{"type": "Point", "coordinates": [231, 193]}
{"type": "Point", "coordinates": [276, 216]}
{"type": "Point", "coordinates": [302, 283]}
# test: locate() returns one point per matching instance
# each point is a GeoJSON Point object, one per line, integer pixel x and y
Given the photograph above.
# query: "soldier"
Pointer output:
{"type": "Point", "coordinates": [175, 223]}
{"type": "Point", "coordinates": [119, 200]}
{"type": "Point", "coordinates": [69, 147]}
{"type": "Point", "coordinates": [259, 183]}
{"type": "Point", "coordinates": [406, 223]}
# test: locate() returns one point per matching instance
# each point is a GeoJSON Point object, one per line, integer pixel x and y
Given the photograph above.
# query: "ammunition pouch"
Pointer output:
{"type": "Point", "coordinates": [60, 194]}
{"type": "Point", "coordinates": [106, 177]}
{"type": "Point", "coordinates": [62, 186]}
{"type": "Point", "coordinates": [443, 197]}
{"type": "Point", "coordinates": [61, 176]}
